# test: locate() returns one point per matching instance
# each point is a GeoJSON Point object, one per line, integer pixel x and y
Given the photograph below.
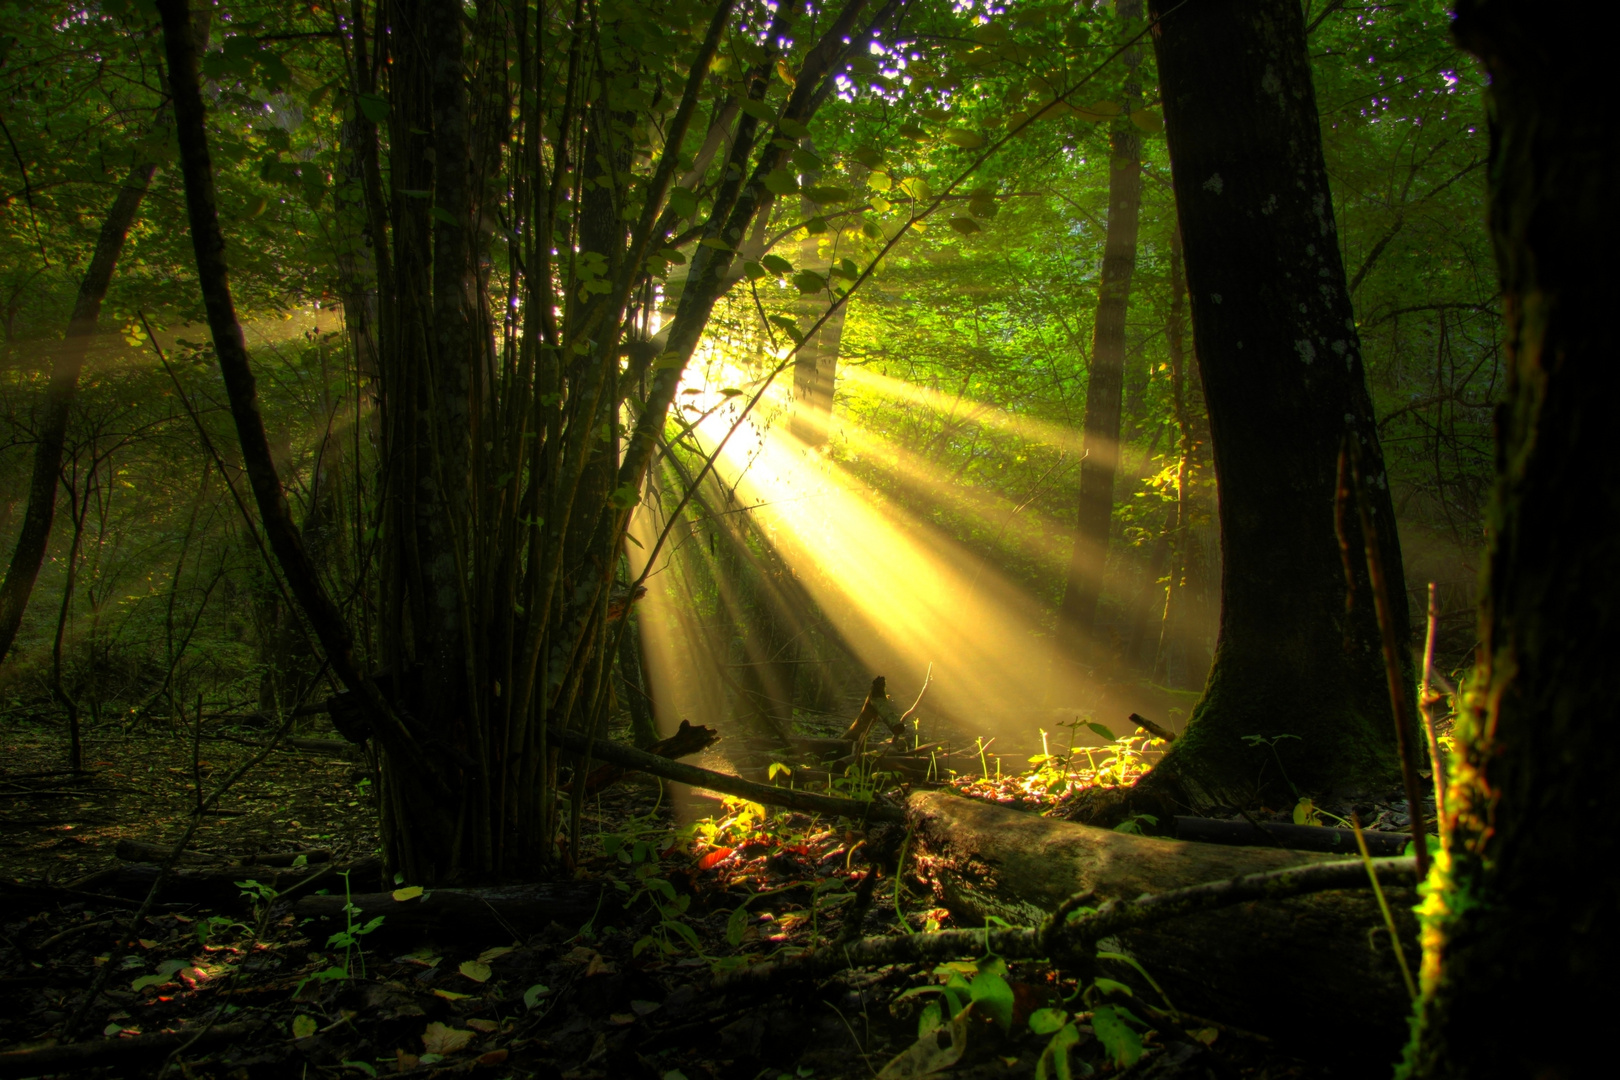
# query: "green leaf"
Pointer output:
{"type": "Point", "coordinates": [828, 193]}
{"type": "Point", "coordinates": [792, 127]}
{"type": "Point", "coordinates": [870, 156]}
{"type": "Point", "coordinates": [1119, 1039]}
{"type": "Point", "coordinates": [808, 282]}
{"type": "Point", "coordinates": [965, 226]}
{"type": "Point", "coordinates": [1047, 1021]}
{"type": "Point", "coordinates": [373, 107]}
{"type": "Point", "coordinates": [777, 265]}
{"type": "Point", "coordinates": [361, 1066]}
{"type": "Point", "coordinates": [991, 994]}
{"type": "Point", "coordinates": [753, 271]}
{"type": "Point", "coordinates": [1057, 1052]}
{"type": "Point", "coordinates": [683, 202]}
{"type": "Point", "coordinates": [879, 182]}
{"type": "Point", "coordinates": [982, 203]}
{"type": "Point", "coordinates": [929, 1020]}
{"type": "Point", "coordinates": [912, 130]}
{"type": "Point", "coordinates": [788, 327]}
{"type": "Point", "coordinates": [303, 1026]}
{"type": "Point", "coordinates": [967, 140]}
{"type": "Point", "coordinates": [816, 226]}
{"type": "Point", "coordinates": [758, 110]}
{"type": "Point", "coordinates": [441, 214]}
{"type": "Point", "coordinates": [668, 361]}
{"type": "Point", "coordinates": [532, 996]}
{"type": "Point", "coordinates": [781, 182]}
{"type": "Point", "coordinates": [917, 188]}
{"type": "Point", "coordinates": [807, 160]}
{"type": "Point", "coordinates": [717, 244]}
{"type": "Point", "coordinates": [1111, 986]}
{"type": "Point", "coordinates": [736, 924]}
{"type": "Point", "coordinates": [1098, 729]}
{"type": "Point", "coordinates": [1148, 120]}
{"type": "Point", "coordinates": [409, 892]}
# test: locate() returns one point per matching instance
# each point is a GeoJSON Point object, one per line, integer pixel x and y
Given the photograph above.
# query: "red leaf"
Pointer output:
{"type": "Point", "coordinates": [713, 858]}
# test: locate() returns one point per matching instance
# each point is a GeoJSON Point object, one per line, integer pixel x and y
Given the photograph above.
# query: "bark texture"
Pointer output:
{"type": "Point", "coordinates": [1525, 895]}
{"type": "Point", "coordinates": [1282, 375]}
{"type": "Point", "coordinates": [1105, 386]}
{"type": "Point", "coordinates": [1286, 969]}
{"type": "Point", "coordinates": [29, 553]}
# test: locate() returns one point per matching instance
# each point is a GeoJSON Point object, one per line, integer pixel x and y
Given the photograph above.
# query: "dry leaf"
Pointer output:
{"type": "Point", "coordinates": [486, 1026]}
{"type": "Point", "coordinates": [622, 1019]}
{"type": "Point", "coordinates": [475, 971]}
{"type": "Point", "coordinates": [404, 1061]}
{"type": "Point", "coordinates": [451, 995]}
{"type": "Point", "coordinates": [493, 1057]}
{"type": "Point", "coordinates": [493, 954]}
{"type": "Point", "coordinates": [443, 1039]}
{"type": "Point", "coordinates": [579, 954]}
{"type": "Point", "coordinates": [599, 966]}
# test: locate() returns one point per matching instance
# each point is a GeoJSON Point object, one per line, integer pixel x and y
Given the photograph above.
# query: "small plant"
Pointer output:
{"type": "Point", "coordinates": [1271, 741]}
{"type": "Point", "coordinates": [348, 939]}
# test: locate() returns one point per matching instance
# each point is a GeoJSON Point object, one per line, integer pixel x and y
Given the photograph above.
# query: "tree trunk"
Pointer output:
{"type": "Point", "coordinates": [1286, 969]}
{"type": "Point", "coordinates": [1171, 625]}
{"type": "Point", "coordinates": [1088, 559]}
{"type": "Point", "coordinates": [1282, 374]}
{"type": "Point", "coordinates": [29, 553]}
{"type": "Point", "coordinates": [1537, 733]}
{"type": "Point", "coordinates": [815, 366]}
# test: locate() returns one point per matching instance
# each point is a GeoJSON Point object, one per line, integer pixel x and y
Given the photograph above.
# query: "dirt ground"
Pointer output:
{"type": "Point", "coordinates": [625, 993]}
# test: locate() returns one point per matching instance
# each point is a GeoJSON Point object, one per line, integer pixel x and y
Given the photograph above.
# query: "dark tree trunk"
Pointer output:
{"type": "Point", "coordinates": [1282, 375]}
{"type": "Point", "coordinates": [1525, 894]}
{"type": "Point", "coordinates": [1088, 560]}
{"type": "Point", "coordinates": [29, 553]}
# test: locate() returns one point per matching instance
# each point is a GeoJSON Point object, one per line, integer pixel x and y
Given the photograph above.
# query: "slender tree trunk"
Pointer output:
{"type": "Point", "coordinates": [1523, 894]}
{"type": "Point", "coordinates": [29, 553]}
{"type": "Point", "coordinates": [1282, 375]}
{"type": "Point", "coordinates": [1088, 560]}
{"type": "Point", "coordinates": [815, 367]}
{"type": "Point", "coordinates": [1170, 627]}
{"type": "Point", "coordinates": [1160, 557]}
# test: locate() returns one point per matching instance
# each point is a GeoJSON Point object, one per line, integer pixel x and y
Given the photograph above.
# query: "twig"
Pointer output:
{"type": "Point", "coordinates": [641, 761]}
{"type": "Point", "coordinates": [1383, 906]}
{"type": "Point", "coordinates": [73, 1058]}
{"type": "Point", "coordinates": [1153, 729]}
{"type": "Point", "coordinates": [1426, 708]}
{"type": "Point", "coordinates": [1074, 938]}
{"type": "Point", "coordinates": [1392, 660]}
{"type": "Point", "coordinates": [909, 713]}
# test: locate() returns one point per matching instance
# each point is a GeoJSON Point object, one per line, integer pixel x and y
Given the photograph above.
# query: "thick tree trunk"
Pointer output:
{"type": "Point", "coordinates": [1537, 737]}
{"type": "Point", "coordinates": [29, 553]}
{"type": "Point", "coordinates": [1287, 969]}
{"type": "Point", "coordinates": [1088, 559]}
{"type": "Point", "coordinates": [1282, 374]}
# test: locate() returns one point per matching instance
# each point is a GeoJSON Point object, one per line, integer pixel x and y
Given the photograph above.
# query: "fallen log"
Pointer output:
{"type": "Point", "coordinates": [120, 1053]}
{"type": "Point", "coordinates": [137, 851]}
{"type": "Point", "coordinates": [1288, 969]}
{"type": "Point", "coordinates": [1298, 837]}
{"type": "Point", "coordinates": [218, 887]}
{"type": "Point", "coordinates": [490, 916]}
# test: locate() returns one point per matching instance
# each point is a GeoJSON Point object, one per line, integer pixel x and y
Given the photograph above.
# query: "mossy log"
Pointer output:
{"type": "Point", "coordinates": [1292, 969]}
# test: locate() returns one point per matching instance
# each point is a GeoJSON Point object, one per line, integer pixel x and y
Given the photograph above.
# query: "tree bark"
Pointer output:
{"type": "Point", "coordinates": [1088, 559]}
{"type": "Point", "coordinates": [29, 554]}
{"type": "Point", "coordinates": [1285, 969]}
{"type": "Point", "coordinates": [1537, 736]}
{"type": "Point", "coordinates": [1282, 375]}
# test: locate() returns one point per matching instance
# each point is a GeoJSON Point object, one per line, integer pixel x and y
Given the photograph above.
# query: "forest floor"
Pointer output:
{"type": "Point", "coordinates": [624, 993]}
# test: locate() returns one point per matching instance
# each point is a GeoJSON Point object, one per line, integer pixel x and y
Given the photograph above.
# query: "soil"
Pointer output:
{"type": "Point", "coordinates": [625, 995]}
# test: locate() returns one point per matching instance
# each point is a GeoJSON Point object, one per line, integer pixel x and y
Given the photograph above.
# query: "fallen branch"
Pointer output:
{"type": "Point", "coordinates": [1059, 939]}
{"type": "Point", "coordinates": [685, 742]}
{"type": "Point", "coordinates": [73, 1057]}
{"type": "Point", "coordinates": [1296, 837]}
{"type": "Point", "coordinates": [641, 761]}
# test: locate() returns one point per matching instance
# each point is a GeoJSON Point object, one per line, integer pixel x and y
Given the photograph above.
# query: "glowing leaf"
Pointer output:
{"type": "Point", "coordinates": [474, 970]}
{"type": "Point", "coordinates": [303, 1026]}
{"type": "Point", "coordinates": [409, 892]}
{"type": "Point", "coordinates": [442, 1039]}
